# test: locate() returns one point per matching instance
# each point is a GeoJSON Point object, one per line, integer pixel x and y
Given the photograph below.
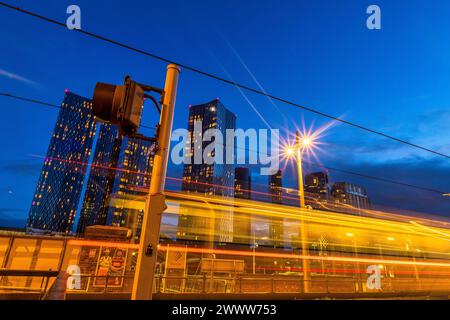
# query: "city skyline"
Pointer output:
{"type": "Point", "coordinates": [345, 149]}
{"type": "Point", "coordinates": [227, 150]}
{"type": "Point", "coordinates": [121, 169]}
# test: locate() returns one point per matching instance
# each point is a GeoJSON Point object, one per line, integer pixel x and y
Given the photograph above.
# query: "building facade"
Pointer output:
{"type": "Point", "coordinates": [242, 183]}
{"type": "Point", "coordinates": [55, 202]}
{"type": "Point", "coordinates": [242, 222]}
{"type": "Point", "coordinates": [276, 187]}
{"type": "Point", "coordinates": [131, 185]}
{"type": "Point", "coordinates": [316, 188]}
{"type": "Point", "coordinates": [350, 194]}
{"type": "Point", "coordinates": [216, 178]}
{"type": "Point", "coordinates": [101, 178]}
{"type": "Point", "coordinates": [276, 224]}
{"type": "Point", "coordinates": [209, 179]}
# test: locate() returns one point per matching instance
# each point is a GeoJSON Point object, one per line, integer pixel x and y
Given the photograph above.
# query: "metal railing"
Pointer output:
{"type": "Point", "coordinates": [7, 286]}
{"type": "Point", "coordinates": [207, 284]}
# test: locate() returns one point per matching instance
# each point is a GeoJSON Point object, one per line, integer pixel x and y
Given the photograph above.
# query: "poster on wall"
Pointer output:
{"type": "Point", "coordinates": [111, 267]}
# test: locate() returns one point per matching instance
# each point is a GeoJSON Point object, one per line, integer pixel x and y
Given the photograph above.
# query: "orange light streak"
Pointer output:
{"type": "Point", "coordinates": [298, 256]}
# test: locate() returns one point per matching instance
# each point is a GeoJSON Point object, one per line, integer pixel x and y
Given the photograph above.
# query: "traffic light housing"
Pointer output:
{"type": "Point", "coordinates": [120, 105]}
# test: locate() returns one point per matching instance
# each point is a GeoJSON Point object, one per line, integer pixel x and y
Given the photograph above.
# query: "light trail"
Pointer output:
{"type": "Point", "coordinates": [94, 243]}
{"type": "Point", "coordinates": [290, 256]}
{"type": "Point", "coordinates": [352, 271]}
{"type": "Point", "coordinates": [385, 215]}
{"type": "Point", "coordinates": [430, 229]}
{"type": "Point", "coordinates": [307, 257]}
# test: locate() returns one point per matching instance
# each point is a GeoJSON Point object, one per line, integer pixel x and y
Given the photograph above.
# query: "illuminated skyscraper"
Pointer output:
{"type": "Point", "coordinates": [59, 187]}
{"type": "Point", "coordinates": [349, 193]}
{"type": "Point", "coordinates": [209, 179]}
{"type": "Point", "coordinates": [131, 184]}
{"type": "Point", "coordinates": [101, 178]}
{"type": "Point", "coordinates": [275, 187]}
{"type": "Point", "coordinates": [242, 222]}
{"type": "Point", "coordinates": [242, 183]}
{"type": "Point", "coordinates": [276, 225]}
{"type": "Point", "coordinates": [316, 188]}
{"type": "Point", "coordinates": [216, 178]}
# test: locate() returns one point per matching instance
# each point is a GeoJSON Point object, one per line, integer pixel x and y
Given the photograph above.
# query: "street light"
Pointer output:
{"type": "Point", "coordinates": [290, 151]}
{"type": "Point", "coordinates": [446, 194]}
{"type": "Point", "coordinates": [255, 245]}
{"type": "Point", "coordinates": [302, 143]}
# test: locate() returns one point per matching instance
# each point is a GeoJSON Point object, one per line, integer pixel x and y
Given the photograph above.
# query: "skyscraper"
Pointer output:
{"type": "Point", "coordinates": [60, 184]}
{"type": "Point", "coordinates": [275, 187]}
{"type": "Point", "coordinates": [209, 179]}
{"type": "Point", "coordinates": [216, 178]}
{"type": "Point", "coordinates": [316, 187]}
{"type": "Point", "coordinates": [101, 178]}
{"type": "Point", "coordinates": [276, 225]}
{"type": "Point", "coordinates": [349, 193]}
{"type": "Point", "coordinates": [242, 183]}
{"type": "Point", "coordinates": [242, 223]}
{"type": "Point", "coordinates": [131, 183]}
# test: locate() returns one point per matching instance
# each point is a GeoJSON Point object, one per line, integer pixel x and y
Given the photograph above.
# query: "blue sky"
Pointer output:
{"type": "Point", "coordinates": [317, 52]}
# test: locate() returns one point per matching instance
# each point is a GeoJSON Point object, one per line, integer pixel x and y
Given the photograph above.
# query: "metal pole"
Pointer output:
{"type": "Point", "coordinates": [254, 253]}
{"type": "Point", "coordinates": [301, 192]}
{"type": "Point", "coordinates": [155, 204]}
{"type": "Point", "coordinates": [303, 235]}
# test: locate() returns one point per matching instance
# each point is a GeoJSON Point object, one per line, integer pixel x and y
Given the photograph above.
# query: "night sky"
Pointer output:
{"type": "Point", "coordinates": [318, 53]}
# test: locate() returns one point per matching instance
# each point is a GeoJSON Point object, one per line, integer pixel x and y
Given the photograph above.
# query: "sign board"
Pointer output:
{"type": "Point", "coordinates": [176, 258]}
{"type": "Point", "coordinates": [111, 263]}
{"type": "Point", "coordinates": [222, 265]}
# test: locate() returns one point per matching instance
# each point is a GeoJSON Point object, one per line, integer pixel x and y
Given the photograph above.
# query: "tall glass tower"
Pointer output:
{"type": "Point", "coordinates": [101, 178]}
{"type": "Point", "coordinates": [242, 226]}
{"type": "Point", "coordinates": [208, 179]}
{"type": "Point", "coordinates": [216, 178]}
{"type": "Point", "coordinates": [276, 224]}
{"type": "Point", "coordinates": [60, 184]}
{"type": "Point", "coordinates": [131, 184]}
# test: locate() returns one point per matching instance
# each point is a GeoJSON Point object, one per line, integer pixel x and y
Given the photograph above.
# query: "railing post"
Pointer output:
{"type": "Point", "coordinates": [7, 253]}
{"type": "Point", "coordinates": [106, 283]}
{"type": "Point", "coordinates": [160, 281]}
{"type": "Point", "coordinates": [204, 283]}
{"type": "Point", "coordinates": [46, 286]}
{"type": "Point", "coordinates": [240, 284]}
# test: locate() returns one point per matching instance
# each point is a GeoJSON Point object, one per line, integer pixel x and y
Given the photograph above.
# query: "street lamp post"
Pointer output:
{"type": "Point", "coordinates": [255, 245]}
{"type": "Point", "coordinates": [299, 150]}
{"type": "Point", "coordinates": [300, 145]}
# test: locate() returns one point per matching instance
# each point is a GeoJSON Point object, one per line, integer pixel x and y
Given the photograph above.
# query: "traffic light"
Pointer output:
{"type": "Point", "coordinates": [120, 105]}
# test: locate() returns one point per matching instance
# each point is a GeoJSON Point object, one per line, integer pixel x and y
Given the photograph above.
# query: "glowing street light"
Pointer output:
{"type": "Point", "coordinates": [306, 142]}
{"type": "Point", "coordinates": [301, 144]}
{"type": "Point", "coordinates": [290, 151]}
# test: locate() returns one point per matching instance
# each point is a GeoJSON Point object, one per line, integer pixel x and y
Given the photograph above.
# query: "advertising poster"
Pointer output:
{"type": "Point", "coordinates": [111, 267]}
